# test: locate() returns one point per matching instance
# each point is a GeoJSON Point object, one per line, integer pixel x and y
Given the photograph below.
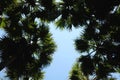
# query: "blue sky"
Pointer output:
{"type": "Point", "coordinates": [65, 55]}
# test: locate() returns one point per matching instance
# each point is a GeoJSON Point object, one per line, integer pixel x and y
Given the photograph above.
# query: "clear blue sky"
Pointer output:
{"type": "Point", "coordinates": [65, 55]}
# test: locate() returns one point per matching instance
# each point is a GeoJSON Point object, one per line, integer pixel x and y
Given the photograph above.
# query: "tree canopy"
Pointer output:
{"type": "Point", "coordinates": [99, 43]}
{"type": "Point", "coordinates": [29, 42]}
{"type": "Point", "coordinates": [28, 46]}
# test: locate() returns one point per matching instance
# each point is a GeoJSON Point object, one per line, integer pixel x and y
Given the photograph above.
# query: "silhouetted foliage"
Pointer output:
{"type": "Point", "coordinates": [100, 40]}
{"type": "Point", "coordinates": [76, 73]}
{"type": "Point", "coordinates": [28, 46]}
{"type": "Point", "coordinates": [29, 37]}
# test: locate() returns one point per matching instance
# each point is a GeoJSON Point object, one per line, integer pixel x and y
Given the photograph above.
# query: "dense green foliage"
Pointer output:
{"type": "Point", "coordinates": [77, 74]}
{"type": "Point", "coordinates": [99, 44]}
{"type": "Point", "coordinates": [100, 40]}
{"type": "Point", "coordinates": [28, 36]}
{"type": "Point", "coordinates": [28, 46]}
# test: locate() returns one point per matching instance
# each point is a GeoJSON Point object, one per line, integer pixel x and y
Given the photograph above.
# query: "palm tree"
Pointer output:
{"type": "Point", "coordinates": [26, 57]}
{"type": "Point", "coordinates": [28, 46]}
